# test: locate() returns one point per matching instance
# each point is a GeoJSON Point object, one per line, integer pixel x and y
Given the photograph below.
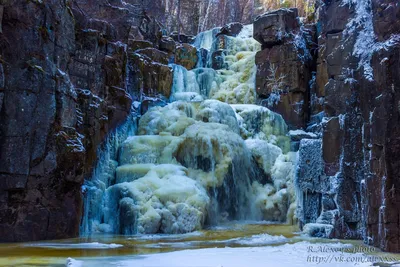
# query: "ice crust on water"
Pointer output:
{"type": "Point", "coordinates": [93, 245]}
{"type": "Point", "coordinates": [262, 239]}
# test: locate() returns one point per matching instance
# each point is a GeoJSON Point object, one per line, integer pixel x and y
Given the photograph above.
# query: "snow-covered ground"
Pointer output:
{"type": "Point", "coordinates": [297, 254]}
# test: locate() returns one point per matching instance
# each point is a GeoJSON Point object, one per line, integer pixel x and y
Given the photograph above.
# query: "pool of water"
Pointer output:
{"type": "Point", "coordinates": [103, 247]}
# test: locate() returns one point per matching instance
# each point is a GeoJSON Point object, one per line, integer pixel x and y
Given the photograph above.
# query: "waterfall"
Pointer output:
{"type": "Point", "coordinates": [209, 156]}
{"type": "Point", "coordinates": [104, 176]}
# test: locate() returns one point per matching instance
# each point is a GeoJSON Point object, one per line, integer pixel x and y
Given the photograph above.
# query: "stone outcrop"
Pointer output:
{"type": "Point", "coordinates": [285, 65]}
{"type": "Point", "coordinates": [349, 178]}
{"type": "Point", "coordinates": [349, 184]}
{"type": "Point", "coordinates": [359, 131]}
{"type": "Point", "coordinates": [66, 81]}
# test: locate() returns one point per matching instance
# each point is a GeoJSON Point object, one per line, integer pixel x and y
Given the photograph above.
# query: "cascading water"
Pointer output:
{"type": "Point", "coordinates": [209, 156]}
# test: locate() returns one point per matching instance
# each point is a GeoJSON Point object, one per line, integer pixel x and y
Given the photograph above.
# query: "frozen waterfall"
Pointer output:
{"type": "Point", "coordinates": [209, 156]}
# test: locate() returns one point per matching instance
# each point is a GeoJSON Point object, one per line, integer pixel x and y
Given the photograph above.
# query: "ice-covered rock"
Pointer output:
{"type": "Point", "coordinates": [218, 112]}
{"type": "Point", "coordinates": [173, 118]}
{"type": "Point", "coordinates": [131, 172]}
{"type": "Point", "coordinates": [148, 149]}
{"type": "Point", "coordinates": [260, 123]}
{"type": "Point", "coordinates": [264, 153]}
{"type": "Point", "coordinates": [297, 135]}
{"type": "Point", "coordinates": [318, 230]}
{"type": "Point", "coordinates": [310, 170]}
{"type": "Point", "coordinates": [165, 200]}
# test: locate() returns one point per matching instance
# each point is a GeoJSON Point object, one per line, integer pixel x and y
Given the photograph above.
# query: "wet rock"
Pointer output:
{"type": "Point", "coordinates": [182, 38]}
{"type": "Point", "coordinates": [355, 78]}
{"type": "Point", "coordinates": [1, 17]}
{"type": "Point", "coordinates": [152, 78]}
{"type": "Point", "coordinates": [62, 90]}
{"type": "Point", "coordinates": [167, 44]}
{"type": "Point", "coordinates": [135, 45]}
{"type": "Point", "coordinates": [231, 29]}
{"type": "Point", "coordinates": [155, 55]}
{"type": "Point", "coordinates": [186, 56]}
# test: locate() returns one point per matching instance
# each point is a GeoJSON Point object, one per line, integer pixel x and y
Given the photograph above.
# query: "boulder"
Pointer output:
{"type": "Point", "coordinates": [167, 44]}
{"type": "Point", "coordinates": [154, 55]}
{"type": "Point", "coordinates": [134, 45]}
{"type": "Point", "coordinates": [273, 28]}
{"type": "Point", "coordinates": [186, 56]}
{"type": "Point", "coordinates": [231, 29]}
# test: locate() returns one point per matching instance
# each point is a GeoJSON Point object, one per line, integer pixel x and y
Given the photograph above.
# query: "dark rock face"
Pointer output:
{"type": "Point", "coordinates": [274, 27]}
{"type": "Point", "coordinates": [349, 184]}
{"type": "Point", "coordinates": [285, 64]}
{"type": "Point", "coordinates": [65, 83]}
{"type": "Point", "coordinates": [231, 29]}
{"type": "Point", "coordinates": [356, 85]}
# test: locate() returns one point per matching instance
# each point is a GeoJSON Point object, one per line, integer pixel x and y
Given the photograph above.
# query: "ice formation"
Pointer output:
{"type": "Point", "coordinates": [165, 200]}
{"type": "Point", "coordinates": [234, 83]}
{"type": "Point", "coordinates": [208, 156]}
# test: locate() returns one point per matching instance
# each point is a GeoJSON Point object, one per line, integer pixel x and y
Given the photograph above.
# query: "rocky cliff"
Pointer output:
{"type": "Point", "coordinates": [348, 178]}
{"type": "Point", "coordinates": [69, 71]}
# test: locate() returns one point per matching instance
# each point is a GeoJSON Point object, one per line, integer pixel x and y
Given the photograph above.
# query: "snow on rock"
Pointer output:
{"type": "Point", "coordinates": [297, 135]}
{"type": "Point", "coordinates": [73, 263]}
{"type": "Point", "coordinates": [318, 230]}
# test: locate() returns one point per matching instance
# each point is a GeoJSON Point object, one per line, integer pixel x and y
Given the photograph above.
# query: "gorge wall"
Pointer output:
{"type": "Point", "coordinates": [348, 178]}
{"type": "Point", "coordinates": [65, 83]}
